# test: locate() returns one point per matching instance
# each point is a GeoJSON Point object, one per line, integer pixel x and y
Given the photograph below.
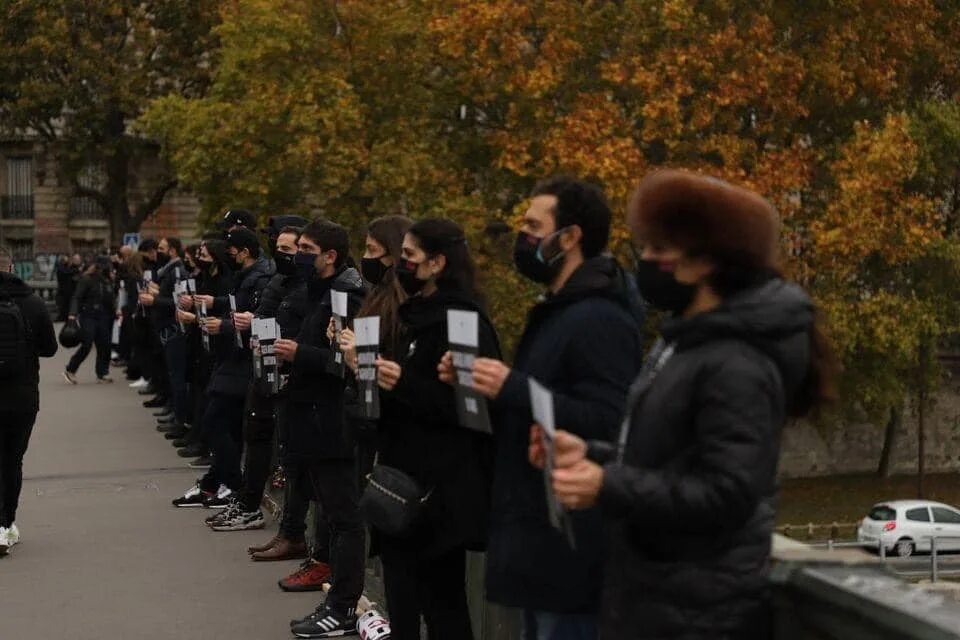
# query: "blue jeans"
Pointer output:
{"type": "Point", "coordinates": [544, 625]}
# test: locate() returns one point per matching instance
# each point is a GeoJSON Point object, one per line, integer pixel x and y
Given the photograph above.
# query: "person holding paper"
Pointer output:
{"type": "Point", "coordinates": [420, 435]}
{"type": "Point", "coordinates": [223, 417]}
{"type": "Point", "coordinates": [312, 424]}
{"type": "Point", "coordinates": [689, 490]}
{"type": "Point", "coordinates": [583, 344]}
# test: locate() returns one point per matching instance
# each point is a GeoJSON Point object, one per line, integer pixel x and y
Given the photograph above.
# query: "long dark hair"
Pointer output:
{"type": "Point", "coordinates": [439, 236]}
{"type": "Point", "coordinates": [385, 298]}
{"type": "Point", "coordinates": [221, 259]}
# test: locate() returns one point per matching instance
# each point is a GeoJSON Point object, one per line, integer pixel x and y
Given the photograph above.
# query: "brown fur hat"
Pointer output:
{"type": "Point", "coordinates": [706, 216]}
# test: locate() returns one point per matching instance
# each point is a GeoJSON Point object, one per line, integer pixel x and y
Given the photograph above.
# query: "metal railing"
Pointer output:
{"type": "Point", "coordinates": [935, 542]}
{"type": "Point", "coordinates": [84, 208]}
{"type": "Point", "coordinates": [16, 207]}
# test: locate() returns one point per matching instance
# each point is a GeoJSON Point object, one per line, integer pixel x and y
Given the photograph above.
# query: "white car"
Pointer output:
{"type": "Point", "coordinates": [907, 526]}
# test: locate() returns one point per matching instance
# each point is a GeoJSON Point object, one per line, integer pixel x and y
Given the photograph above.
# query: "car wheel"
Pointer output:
{"type": "Point", "coordinates": [904, 547]}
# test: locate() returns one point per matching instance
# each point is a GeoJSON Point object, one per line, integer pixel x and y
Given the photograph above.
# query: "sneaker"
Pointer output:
{"type": "Point", "coordinates": [240, 520]}
{"type": "Point", "coordinates": [14, 534]}
{"type": "Point", "coordinates": [194, 497]}
{"type": "Point", "coordinates": [219, 501]}
{"type": "Point", "coordinates": [203, 462]}
{"type": "Point", "coordinates": [155, 402]}
{"type": "Point", "coordinates": [309, 577]}
{"type": "Point", "coordinates": [104, 380]}
{"type": "Point", "coordinates": [326, 623]}
{"type": "Point", "coordinates": [138, 384]}
{"type": "Point", "coordinates": [69, 377]}
{"type": "Point", "coordinates": [233, 507]}
{"type": "Point", "coordinates": [5, 542]}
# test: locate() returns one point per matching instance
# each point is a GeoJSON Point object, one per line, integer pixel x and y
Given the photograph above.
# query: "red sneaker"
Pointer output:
{"type": "Point", "coordinates": [309, 577]}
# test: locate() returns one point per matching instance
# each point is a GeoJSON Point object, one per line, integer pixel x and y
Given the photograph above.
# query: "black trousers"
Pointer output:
{"type": "Point", "coordinates": [95, 328]}
{"type": "Point", "coordinates": [434, 587]}
{"type": "Point", "coordinates": [334, 483]}
{"type": "Point", "coordinates": [297, 496]}
{"type": "Point", "coordinates": [259, 429]}
{"type": "Point", "coordinates": [15, 430]}
{"type": "Point", "coordinates": [223, 431]}
{"type": "Point", "coordinates": [175, 355]}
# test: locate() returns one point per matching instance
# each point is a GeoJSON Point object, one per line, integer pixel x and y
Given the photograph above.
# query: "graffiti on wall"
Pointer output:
{"type": "Point", "coordinates": [42, 267]}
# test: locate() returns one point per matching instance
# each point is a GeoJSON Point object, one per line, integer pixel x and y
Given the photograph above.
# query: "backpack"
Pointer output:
{"type": "Point", "coordinates": [13, 338]}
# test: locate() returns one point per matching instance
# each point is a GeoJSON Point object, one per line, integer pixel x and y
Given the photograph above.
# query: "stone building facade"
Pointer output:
{"type": "Point", "coordinates": [40, 218]}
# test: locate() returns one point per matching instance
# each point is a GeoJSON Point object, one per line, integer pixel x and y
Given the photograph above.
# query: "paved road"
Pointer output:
{"type": "Point", "coordinates": [104, 555]}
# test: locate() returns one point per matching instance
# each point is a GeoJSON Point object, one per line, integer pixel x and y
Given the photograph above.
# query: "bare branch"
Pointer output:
{"type": "Point", "coordinates": [152, 204]}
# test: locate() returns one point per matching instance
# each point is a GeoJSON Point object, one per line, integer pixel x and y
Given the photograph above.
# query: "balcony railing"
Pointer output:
{"type": "Point", "coordinates": [16, 207]}
{"type": "Point", "coordinates": [83, 208]}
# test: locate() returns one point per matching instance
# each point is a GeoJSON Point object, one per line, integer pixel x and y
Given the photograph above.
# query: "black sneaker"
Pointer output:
{"type": "Point", "coordinates": [164, 412]}
{"type": "Point", "coordinates": [175, 434]}
{"type": "Point", "coordinates": [239, 520]}
{"type": "Point", "coordinates": [194, 497]}
{"type": "Point", "coordinates": [155, 403]}
{"type": "Point", "coordinates": [180, 443]}
{"type": "Point", "coordinates": [203, 462]}
{"type": "Point", "coordinates": [168, 419]}
{"type": "Point", "coordinates": [233, 507]}
{"type": "Point", "coordinates": [326, 623]}
{"type": "Point", "coordinates": [192, 450]}
{"type": "Point", "coordinates": [221, 500]}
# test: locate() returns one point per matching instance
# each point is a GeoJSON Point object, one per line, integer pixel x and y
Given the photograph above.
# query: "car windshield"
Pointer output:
{"type": "Point", "coordinates": [883, 513]}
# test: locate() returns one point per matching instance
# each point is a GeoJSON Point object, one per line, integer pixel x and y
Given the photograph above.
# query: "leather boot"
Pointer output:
{"type": "Point", "coordinates": [282, 550]}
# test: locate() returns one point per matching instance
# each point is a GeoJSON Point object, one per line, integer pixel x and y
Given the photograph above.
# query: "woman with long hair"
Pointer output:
{"type": "Point", "coordinates": [689, 489]}
{"type": "Point", "coordinates": [419, 434]}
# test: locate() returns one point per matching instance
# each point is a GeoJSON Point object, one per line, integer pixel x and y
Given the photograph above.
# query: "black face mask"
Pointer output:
{"type": "Point", "coordinates": [530, 262]}
{"type": "Point", "coordinates": [373, 270]}
{"type": "Point", "coordinates": [162, 259]}
{"type": "Point", "coordinates": [407, 277]}
{"type": "Point", "coordinates": [204, 265]}
{"type": "Point", "coordinates": [285, 263]}
{"type": "Point", "coordinates": [661, 289]}
{"type": "Point", "coordinates": [304, 265]}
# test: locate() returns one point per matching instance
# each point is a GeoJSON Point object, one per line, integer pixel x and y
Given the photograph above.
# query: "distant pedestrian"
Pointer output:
{"type": "Point", "coordinates": [26, 335]}
{"type": "Point", "coordinates": [93, 308]}
{"type": "Point", "coordinates": [688, 491]}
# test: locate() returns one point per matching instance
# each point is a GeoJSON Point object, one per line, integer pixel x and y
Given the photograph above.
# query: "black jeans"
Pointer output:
{"type": "Point", "coordinates": [175, 355]}
{"type": "Point", "coordinates": [15, 430]}
{"type": "Point", "coordinates": [222, 431]}
{"type": "Point", "coordinates": [335, 485]}
{"type": "Point", "coordinates": [434, 587]}
{"type": "Point", "coordinates": [297, 495]}
{"type": "Point", "coordinates": [259, 428]}
{"type": "Point", "coordinates": [95, 328]}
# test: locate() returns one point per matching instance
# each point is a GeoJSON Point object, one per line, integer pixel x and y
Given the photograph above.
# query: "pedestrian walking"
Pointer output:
{"type": "Point", "coordinates": [93, 309]}
{"type": "Point", "coordinates": [26, 335]}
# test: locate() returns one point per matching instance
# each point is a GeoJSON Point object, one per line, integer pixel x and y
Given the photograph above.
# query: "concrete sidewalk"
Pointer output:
{"type": "Point", "coordinates": [105, 555]}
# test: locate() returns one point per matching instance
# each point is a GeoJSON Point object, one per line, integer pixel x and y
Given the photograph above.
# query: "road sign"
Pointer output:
{"type": "Point", "coordinates": [131, 240]}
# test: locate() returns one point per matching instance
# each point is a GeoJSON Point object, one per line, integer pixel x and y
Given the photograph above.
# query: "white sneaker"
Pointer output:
{"type": "Point", "coordinates": [14, 534]}
{"type": "Point", "coordinates": [5, 543]}
{"type": "Point", "coordinates": [69, 377]}
{"type": "Point", "coordinates": [138, 384]}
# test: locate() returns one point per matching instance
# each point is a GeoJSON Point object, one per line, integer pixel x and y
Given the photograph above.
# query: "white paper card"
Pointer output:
{"type": "Point", "coordinates": [265, 328]}
{"type": "Point", "coordinates": [233, 302]}
{"type": "Point", "coordinates": [541, 402]}
{"type": "Point", "coordinates": [463, 327]}
{"type": "Point", "coordinates": [148, 276]}
{"type": "Point", "coordinates": [339, 301]}
{"type": "Point", "coordinates": [191, 285]}
{"type": "Point", "coordinates": [367, 331]}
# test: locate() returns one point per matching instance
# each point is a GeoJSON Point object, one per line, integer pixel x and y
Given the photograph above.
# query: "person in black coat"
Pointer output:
{"type": "Point", "coordinates": [689, 489]}
{"type": "Point", "coordinates": [583, 344]}
{"type": "Point", "coordinates": [93, 308]}
{"type": "Point", "coordinates": [420, 434]}
{"type": "Point", "coordinates": [222, 421]}
{"type": "Point", "coordinates": [20, 394]}
{"type": "Point", "coordinates": [312, 425]}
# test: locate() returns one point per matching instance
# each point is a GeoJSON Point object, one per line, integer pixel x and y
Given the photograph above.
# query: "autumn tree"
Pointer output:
{"type": "Point", "coordinates": [77, 73]}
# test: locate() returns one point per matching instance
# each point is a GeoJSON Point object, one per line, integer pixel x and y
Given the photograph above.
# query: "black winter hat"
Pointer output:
{"type": "Point", "coordinates": [238, 217]}
{"type": "Point", "coordinates": [244, 239]}
{"type": "Point", "coordinates": [276, 223]}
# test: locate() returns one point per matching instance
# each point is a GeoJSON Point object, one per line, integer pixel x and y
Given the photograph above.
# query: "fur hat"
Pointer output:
{"type": "Point", "coordinates": [706, 216]}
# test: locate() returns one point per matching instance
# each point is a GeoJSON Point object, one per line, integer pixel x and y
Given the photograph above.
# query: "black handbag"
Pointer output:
{"type": "Point", "coordinates": [70, 335]}
{"type": "Point", "coordinates": [392, 501]}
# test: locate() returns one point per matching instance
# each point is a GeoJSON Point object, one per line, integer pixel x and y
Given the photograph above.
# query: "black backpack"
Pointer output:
{"type": "Point", "coordinates": [13, 338]}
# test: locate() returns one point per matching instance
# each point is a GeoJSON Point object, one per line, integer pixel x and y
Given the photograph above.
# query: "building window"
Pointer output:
{"type": "Point", "coordinates": [17, 200]}
{"type": "Point", "coordinates": [88, 248]}
{"type": "Point", "coordinates": [83, 207]}
{"type": "Point", "coordinates": [22, 251]}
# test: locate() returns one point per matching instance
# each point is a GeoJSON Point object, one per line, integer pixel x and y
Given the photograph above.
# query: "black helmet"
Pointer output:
{"type": "Point", "coordinates": [70, 335]}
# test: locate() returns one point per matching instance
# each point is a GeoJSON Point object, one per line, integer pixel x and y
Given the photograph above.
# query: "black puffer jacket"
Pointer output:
{"type": "Point", "coordinates": [691, 505]}
{"type": "Point", "coordinates": [163, 311]}
{"type": "Point", "coordinates": [313, 393]}
{"type": "Point", "coordinates": [419, 430]}
{"type": "Point", "coordinates": [21, 392]}
{"type": "Point", "coordinates": [94, 294]}
{"type": "Point", "coordinates": [584, 345]}
{"type": "Point", "coordinates": [235, 365]}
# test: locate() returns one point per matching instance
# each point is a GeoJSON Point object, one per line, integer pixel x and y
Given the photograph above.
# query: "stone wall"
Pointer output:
{"type": "Point", "coordinates": [855, 448]}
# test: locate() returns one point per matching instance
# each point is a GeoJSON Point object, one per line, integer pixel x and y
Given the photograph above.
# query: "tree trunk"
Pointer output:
{"type": "Point", "coordinates": [921, 418]}
{"type": "Point", "coordinates": [117, 167]}
{"type": "Point", "coordinates": [889, 435]}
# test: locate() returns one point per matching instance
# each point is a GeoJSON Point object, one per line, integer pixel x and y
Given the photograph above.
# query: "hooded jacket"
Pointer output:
{"type": "Point", "coordinates": [690, 502]}
{"type": "Point", "coordinates": [21, 393]}
{"type": "Point", "coordinates": [419, 431]}
{"type": "Point", "coordinates": [235, 364]}
{"type": "Point", "coordinates": [315, 427]}
{"type": "Point", "coordinates": [584, 345]}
